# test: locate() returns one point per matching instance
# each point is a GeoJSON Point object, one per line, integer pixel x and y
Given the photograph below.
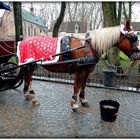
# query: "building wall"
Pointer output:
{"type": "Point", "coordinates": [7, 27]}
{"type": "Point", "coordinates": [76, 29]}
{"type": "Point", "coordinates": [30, 29]}
{"type": "Point", "coordinates": [63, 34]}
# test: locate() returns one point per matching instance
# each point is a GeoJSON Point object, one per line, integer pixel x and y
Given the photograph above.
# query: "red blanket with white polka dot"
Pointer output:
{"type": "Point", "coordinates": [36, 48]}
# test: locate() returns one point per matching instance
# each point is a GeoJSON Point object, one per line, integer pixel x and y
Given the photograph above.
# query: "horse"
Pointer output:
{"type": "Point", "coordinates": [82, 57]}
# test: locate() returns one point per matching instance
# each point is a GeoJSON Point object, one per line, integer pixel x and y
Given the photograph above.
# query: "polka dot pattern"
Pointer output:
{"type": "Point", "coordinates": [37, 48]}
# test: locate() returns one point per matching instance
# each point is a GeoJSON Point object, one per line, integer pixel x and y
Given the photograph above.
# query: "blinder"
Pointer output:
{"type": "Point", "coordinates": [132, 39]}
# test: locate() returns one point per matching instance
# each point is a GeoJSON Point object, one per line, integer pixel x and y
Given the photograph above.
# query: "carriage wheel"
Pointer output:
{"type": "Point", "coordinates": [13, 74]}
{"type": "Point", "coordinates": [18, 84]}
{"type": "Point", "coordinates": [9, 73]}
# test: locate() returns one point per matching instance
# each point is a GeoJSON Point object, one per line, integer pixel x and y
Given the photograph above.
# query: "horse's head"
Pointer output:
{"type": "Point", "coordinates": [128, 42]}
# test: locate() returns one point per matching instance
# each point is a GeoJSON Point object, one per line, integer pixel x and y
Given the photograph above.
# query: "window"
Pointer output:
{"type": "Point", "coordinates": [29, 32]}
{"type": "Point", "coordinates": [76, 28]}
{"type": "Point", "coordinates": [34, 31]}
{"type": "Point", "coordinates": [25, 27]}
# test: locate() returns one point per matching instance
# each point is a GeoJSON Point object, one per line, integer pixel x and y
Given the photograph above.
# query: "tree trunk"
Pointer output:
{"type": "Point", "coordinates": [111, 19]}
{"type": "Point", "coordinates": [108, 14]}
{"type": "Point", "coordinates": [127, 15]}
{"type": "Point", "coordinates": [18, 21]}
{"type": "Point", "coordinates": [59, 20]}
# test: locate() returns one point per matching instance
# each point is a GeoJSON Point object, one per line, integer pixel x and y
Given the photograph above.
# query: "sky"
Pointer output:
{"type": "Point", "coordinates": [1, 12]}
{"type": "Point", "coordinates": [135, 8]}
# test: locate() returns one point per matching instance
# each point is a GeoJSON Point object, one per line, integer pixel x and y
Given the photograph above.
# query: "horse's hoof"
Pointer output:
{"type": "Point", "coordinates": [76, 110]}
{"type": "Point", "coordinates": [35, 103]}
{"type": "Point", "coordinates": [29, 97]}
{"type": "Point", "coordinates": [85, 104]}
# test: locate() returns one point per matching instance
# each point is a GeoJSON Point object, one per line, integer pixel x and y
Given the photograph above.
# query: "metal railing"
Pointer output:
{"type": "Point", "coordinates": [131, 82]}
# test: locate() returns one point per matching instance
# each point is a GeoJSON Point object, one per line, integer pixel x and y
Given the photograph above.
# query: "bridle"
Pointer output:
{"type": "Point", "coordinates": [132, 39]}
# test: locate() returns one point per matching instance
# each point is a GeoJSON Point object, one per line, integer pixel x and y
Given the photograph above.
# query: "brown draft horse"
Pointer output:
{"type": "Point", "coordinates": [100, 41]}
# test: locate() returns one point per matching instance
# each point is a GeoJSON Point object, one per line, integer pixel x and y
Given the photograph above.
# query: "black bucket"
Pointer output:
{"type": "Point", "coordinates": [109, 110]}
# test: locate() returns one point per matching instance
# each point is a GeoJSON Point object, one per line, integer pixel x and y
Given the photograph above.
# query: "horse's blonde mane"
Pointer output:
{"type": "Point", "coordinates": [105, 38]}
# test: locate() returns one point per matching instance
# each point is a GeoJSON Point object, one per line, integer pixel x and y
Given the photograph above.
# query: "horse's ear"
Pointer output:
{"type": "Point", "coordinates": [128, 25]}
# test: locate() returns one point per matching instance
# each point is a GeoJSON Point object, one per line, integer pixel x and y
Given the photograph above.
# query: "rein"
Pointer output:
{"type": "Point", "coordinates": [114, 67]}
{"type": "Point", "coordinates": [128, 68]}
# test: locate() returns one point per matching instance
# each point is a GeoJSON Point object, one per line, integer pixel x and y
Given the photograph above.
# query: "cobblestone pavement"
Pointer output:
{"type": "Point", "coordinates": [55, 119]}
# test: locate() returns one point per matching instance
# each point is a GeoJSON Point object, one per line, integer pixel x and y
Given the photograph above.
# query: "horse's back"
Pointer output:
{"type": "Point", "coordinates": [68, 63]}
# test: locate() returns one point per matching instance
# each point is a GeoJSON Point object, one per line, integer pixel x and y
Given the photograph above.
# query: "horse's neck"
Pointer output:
{"type": "Point", "coordinates": [104, 39]}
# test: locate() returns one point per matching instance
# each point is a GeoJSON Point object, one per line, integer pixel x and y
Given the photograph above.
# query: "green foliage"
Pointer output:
{"type": "Point", "coordinates": [13, 59]}
{"type": "Point", "coordinates": [123, 56]}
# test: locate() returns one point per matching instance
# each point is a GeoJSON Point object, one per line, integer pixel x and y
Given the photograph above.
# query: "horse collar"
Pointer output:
{"type": "Point", "coordinates": [95, 53]}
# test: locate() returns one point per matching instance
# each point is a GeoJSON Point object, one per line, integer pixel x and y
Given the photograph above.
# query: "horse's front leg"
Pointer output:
{"type": "Point", "coordinates": [29, 94]}
{"type": "Point", "coordinates": [82, 97]}
{"type": "Point", "coordinates": [77, 85]}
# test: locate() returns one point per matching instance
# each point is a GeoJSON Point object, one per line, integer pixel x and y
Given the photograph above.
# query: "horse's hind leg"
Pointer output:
{"type": "Point", "coordinates": [83, 100]}
{"type": "Point", "coordinates": [29, 94]}
{"type": "Point", "coordinates": [27, 87]}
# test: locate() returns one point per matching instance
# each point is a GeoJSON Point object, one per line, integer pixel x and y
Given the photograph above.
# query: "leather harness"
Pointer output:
{"type": "Point", "coordinates": [85, 60]}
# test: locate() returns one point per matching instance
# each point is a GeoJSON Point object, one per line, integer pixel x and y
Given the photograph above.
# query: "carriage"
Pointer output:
{"type": "Point", "coordinates": [12, 74]}
{"type": "Point", "coordinates": [9, 78]}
